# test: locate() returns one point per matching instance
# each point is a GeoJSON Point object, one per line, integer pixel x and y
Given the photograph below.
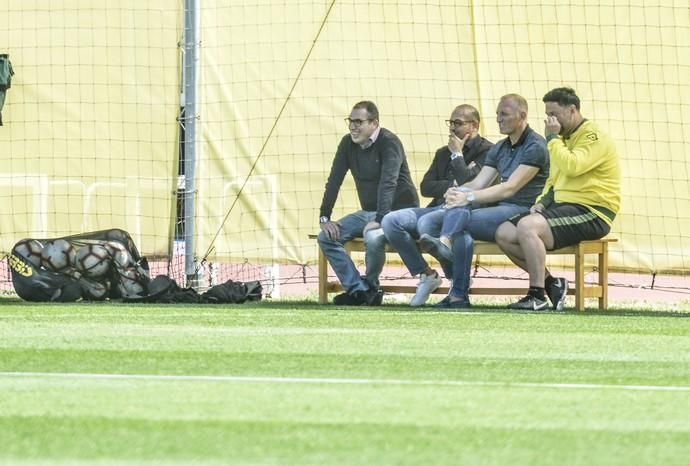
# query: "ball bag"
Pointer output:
{"type": "Point", "coordinates": [43, 282]}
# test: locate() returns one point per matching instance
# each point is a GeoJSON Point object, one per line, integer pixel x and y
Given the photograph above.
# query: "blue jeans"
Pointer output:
{"type": "Point", "coordinates": [402, 228]}
{"type": "Point", "coordinates": [430, 223]}
{"type": "Point", "coordinates": [484, 222]}
{"type": "Point", "coordinates": [351, 226]}
{"type": "Point", "coordinates": [455, 220]}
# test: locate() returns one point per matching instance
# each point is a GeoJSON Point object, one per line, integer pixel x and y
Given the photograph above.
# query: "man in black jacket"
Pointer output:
{"type": "Point", "coordinates": [454, 164]}
{"type": "Point", "coordinates": [376, 159]}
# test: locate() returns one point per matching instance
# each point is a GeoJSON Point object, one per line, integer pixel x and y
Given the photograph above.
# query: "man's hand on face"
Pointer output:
{"type": "Point", "coordinates": [332, 230]}
{"type": "Point", "coordinates": [551, 126]}
{"type": "Point", "coordinates": [455, 144]}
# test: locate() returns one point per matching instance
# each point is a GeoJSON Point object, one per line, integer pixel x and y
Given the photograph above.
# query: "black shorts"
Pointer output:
{"type": "Point", "coordinates": [570, 224]}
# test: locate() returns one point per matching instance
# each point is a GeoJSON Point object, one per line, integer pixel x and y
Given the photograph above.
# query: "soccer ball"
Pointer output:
{"type": "Point", "coordinates": [122, 258]}
{"type": "Point", "coordinates": [93, 260]}
{"type": "Point", "coordinates": [30, 249]}
{"type": "Point", "coordinates": [57, 255]}
{"type": "Point", "coordinates": [94, 290]}
{"type": "Point", "coordinates": [131, 283]}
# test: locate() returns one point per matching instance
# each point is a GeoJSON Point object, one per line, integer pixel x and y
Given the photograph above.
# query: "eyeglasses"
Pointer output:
{"type": "Point", "coordinates": [356, 122]}
{"type": "Point", "coordinates": [452, 123]}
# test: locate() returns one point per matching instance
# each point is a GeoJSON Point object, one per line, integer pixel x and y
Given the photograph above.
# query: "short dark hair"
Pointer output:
{"type": "Point", "coordinates": [563, 96]}
{"type": "Point", "coordinates": [370, 107]}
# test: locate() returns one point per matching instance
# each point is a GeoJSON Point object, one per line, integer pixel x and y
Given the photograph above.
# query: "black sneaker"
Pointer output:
{"type": "Point", "coordinates": [374, 297]}
{"type": "Point", "coordinates": [370, 297]}
{"type": "Point", "coordinates": [530, 303]}
{"type": "Point", "coordinates": [346, 299]}
{"type": "Point", "coordinates": [557, 292]}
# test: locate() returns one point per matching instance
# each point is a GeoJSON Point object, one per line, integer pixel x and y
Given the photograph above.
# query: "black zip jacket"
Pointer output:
{"type": "Point", "coordinates": [443, 171]}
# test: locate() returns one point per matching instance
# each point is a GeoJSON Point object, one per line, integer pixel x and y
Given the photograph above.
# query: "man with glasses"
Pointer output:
{"type": "Point", "coordinates": [521, 164]}
{"type": "Point", "coordinates": [579, 202]}
{"type": "Point", "coordinates": [376, 159]}
{"type": "Point", "coordinates": [454, 164]}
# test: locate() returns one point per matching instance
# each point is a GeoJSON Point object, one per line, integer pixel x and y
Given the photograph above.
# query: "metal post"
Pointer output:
{"type": "Point", "coordinates": [191, 63]}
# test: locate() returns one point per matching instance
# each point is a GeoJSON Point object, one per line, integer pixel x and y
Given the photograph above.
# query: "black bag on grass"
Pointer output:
{"type": "Point", "coordinates": [233, 292]}
{"type": "Point", "coordinates": [165, 290]}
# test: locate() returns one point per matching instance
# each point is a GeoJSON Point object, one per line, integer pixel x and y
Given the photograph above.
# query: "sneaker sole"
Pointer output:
{"type": "Point", "coordinates": [513, 306]}
{"type": "Point", "coordinates": [430, 247]}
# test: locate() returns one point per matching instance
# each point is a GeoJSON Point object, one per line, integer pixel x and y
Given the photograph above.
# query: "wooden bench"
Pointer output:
{"type": "Point", "coordinates": [580, 290]}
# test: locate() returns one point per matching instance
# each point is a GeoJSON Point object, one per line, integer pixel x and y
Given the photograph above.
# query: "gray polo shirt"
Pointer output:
{"type": "Point", "coordinates": [529, 150]}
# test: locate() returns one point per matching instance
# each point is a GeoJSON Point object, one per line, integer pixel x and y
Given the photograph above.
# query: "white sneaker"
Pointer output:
{"type": "Point", "coordinates": [427, 285]}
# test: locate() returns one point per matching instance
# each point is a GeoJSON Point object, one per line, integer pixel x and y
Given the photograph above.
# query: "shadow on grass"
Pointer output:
{"type": "Point", "coordinates": [482, 308]}
{"type": "Point", "coordinates": [310, 304]}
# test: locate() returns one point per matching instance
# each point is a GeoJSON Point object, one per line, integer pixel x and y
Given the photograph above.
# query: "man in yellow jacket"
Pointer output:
{"type": "Point", "coordinates": [579, 201]}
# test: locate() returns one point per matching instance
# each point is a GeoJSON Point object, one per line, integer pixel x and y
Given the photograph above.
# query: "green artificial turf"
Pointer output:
{"type": "Point", "coordinates": [295, 383]}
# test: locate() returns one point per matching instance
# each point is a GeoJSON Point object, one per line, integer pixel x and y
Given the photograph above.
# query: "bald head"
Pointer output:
{"type": "Point", "coordinates": [464, 121]}
{"type": "Point", "coordinates": [468, 112]}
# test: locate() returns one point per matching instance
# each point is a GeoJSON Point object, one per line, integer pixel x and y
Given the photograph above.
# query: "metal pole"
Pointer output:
{"type": "Point", "coordinates": [191, 63]}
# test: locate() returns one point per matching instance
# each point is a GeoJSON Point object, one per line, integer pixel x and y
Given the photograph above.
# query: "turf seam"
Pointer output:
{"type": "Point", "coordinates": [342, 381]}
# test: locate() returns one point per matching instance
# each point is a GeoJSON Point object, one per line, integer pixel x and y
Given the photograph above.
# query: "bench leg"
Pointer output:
{"type": "Point", "coordinates": [580, 279]}
{"type": "Point", "coordinates": [604, 276]}
{"type": "Point", "coordinates": [323, 277]}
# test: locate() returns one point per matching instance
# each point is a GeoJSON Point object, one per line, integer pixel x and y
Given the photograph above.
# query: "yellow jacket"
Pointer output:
{"type": "Point", "coordinates": [584, 170]}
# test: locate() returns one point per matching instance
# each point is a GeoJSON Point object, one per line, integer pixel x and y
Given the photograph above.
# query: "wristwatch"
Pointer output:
{"type": "Point", "coordinates": [470, 196]}
{"type": "Point", "coordinates": [324, 219]}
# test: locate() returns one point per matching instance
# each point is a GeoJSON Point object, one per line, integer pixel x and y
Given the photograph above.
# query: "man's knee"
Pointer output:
{"type": "Point", "coordinates": [374, 240]}
{"type": "Point", "coordinates": [393, 220]}
{"type": "Point", "coordinates": [389, 222]}
{"type": "Point", "coordinates": [506, 233]}
{"type": "Point", "coordinates": [323, 240]}
{"type": "Point", "coordinates": [398, 221]}
{"type": "Point", "coordinates": [430, 223]}
{"type": "Point", "coordinates": [531, 224]}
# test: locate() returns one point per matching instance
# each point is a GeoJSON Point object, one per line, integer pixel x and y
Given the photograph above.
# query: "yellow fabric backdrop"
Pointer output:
{"type": "Point", "coordinates": [90, 137]}
{"type": "Point", "coordinates": [628, 60]}
{"type": "Point", "coordinates": [90, 140]}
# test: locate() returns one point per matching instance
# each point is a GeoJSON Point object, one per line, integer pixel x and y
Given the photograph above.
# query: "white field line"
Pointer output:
{"type": "Point", "coordinates": [342, 381]}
